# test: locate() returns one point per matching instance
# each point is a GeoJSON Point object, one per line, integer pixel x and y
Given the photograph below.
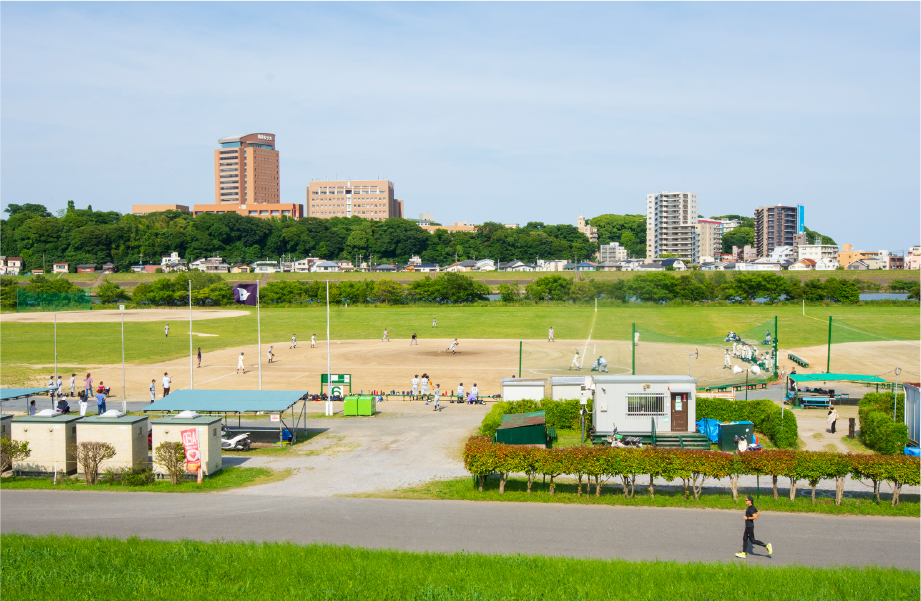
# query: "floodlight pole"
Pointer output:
{"type": "Point", "coordinates": [775, 345]}
{"type": "Point", "coordinates": [191, 370]}
{"type": "Point", "coordinates": [55, 349]}
{"type": "Point", "coordinates": [329, 384]}
{"type": "Point", "coordinates": [633, 349]}
{"type": "Point", "coordinates": [258, 335]}
{"type": "Point", "coordinates": [124, 393]}
{"type": "Point", "coordinates": [520, 350]}
{"type": "Point", "coordinates": [746, 384]}
{"type": "Point", "coordinates": [828, 364]}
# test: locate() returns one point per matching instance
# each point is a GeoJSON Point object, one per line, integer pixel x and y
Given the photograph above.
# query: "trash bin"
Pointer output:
{"type": "Point", "coordinates": [729, 430]}
{"type": "Point", "coordinates": [359, 404]}
{"type": "Point", "coordinates": [350, 405]}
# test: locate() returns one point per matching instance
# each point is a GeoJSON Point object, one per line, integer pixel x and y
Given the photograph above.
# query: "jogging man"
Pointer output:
{"type": "Point", "coordinates": [452, 347]}
{"type": "Point", "coordinates": [550, 335]}
{"type": "Point", "coordinates": [240, 364]}
{"type": "Point", "coordinates": [199, 356]}
{"type": "Point", "coordinates": [166, 383]}
{"type": "Point", "coordinates": [386, 336]}
{"type": "Point", "coordinates": [153, 391]}
{"type": "Point", "coordinates": [313, 341]}
{"type": "Point", "coordinates": [166, 329]}
{"type": "Point", "coordinates": [415, 383]}
{"type": "Point", "coordinates": [751, 514]}
{"type": "Point", "coordinates": [575, 362]}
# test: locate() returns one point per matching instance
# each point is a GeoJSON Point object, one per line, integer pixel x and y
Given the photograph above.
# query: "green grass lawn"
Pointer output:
{"type": "Point", "coordinates": [612, 494]}
{"type": "Point", "coordinates": [95, 343]}
{"type": "Point", "coordinates": [95, 568]}
{"type": "Point", "coordinates": [227, 478]}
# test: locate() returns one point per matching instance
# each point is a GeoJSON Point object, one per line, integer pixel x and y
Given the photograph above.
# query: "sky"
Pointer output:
{"type": "Point", "coordinates": [508, 112]}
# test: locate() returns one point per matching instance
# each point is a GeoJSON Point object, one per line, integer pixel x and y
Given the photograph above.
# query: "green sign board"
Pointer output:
{"type": "Point", "coordinates": [338, 381]}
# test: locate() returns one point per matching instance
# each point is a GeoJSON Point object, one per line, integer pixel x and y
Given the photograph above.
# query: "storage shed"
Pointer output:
{"type": "Point", "coordinates": [49, 438]}
{"type": "Point", "coordinates": [359, 405]}
{"type": "Point", "coordinates": [516, 389]}
{"type": "Point", "coordinates": [5, 423]}
{"type": "Point", "coordinates": [128, 434]}
{"type": "Point", "coordinates": [564, 388]}
{"type": "Point", "coordinates": [525, 429]}
{"type": "Point", "coordinates": [635, 403]}
{"type": "Point", "coordinates": [169, 429]}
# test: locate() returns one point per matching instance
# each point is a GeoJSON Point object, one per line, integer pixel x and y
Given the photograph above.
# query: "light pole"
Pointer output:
{"type": "Point", "coordinates": [895, 392]}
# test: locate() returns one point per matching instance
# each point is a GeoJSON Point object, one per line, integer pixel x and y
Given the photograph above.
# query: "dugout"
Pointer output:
{"type": "Point", "coordinates": [802, 389]}
{"type": "Point", "coordinates": [644, 404]}
{"type": "Point", "coordinates": [517, 389]}
{"type": "Point", "coordinates": [208, 430]}
{"type": "Point", "coordinates": [50, 438]}
{"type": "Point", "coordinates": [230, 402]}
{"type": "Point", "coordinates": [564, 388]}
{"type": "Point", "coordinates": [127, 433]}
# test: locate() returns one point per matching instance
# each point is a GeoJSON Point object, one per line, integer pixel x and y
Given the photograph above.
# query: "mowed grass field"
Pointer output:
{"type": "Point", "coordinates": [100, 343]}
{"type": "Point", "coordinates": [93, 568]}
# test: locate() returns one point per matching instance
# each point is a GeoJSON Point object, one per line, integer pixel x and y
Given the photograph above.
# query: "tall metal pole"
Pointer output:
{"type": "Point", "coordinates": [895, 392]}
{"type": "Point", "coordinates": [633, 348]}
{"type": "Point", "coordinates": [329, 380]}
{"type": "Point", "coordinates": [746, 384]}
{"type": "Point", "coordinates": [775, 345]}
{"type": "Point", "coordinates": [191, 367]}
{"type": "Point", "coordinates": [520, 349]}
{"type": "Point", "coordinates": [55, 349]}
{"type": "Point", "coordinates": [259, 335]}
{"type": "Point", "coordinates": [828, 364]}
{"type": "Point", "coordinates": [124, 393]}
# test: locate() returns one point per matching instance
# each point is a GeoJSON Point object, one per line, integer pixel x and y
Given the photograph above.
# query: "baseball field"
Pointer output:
{"type": "Point", "coordinates": [494, 342]}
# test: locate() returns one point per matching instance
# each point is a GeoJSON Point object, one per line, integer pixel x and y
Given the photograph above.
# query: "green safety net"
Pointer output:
{"type": "Point", "coordinates": [843, 332]}
{"type": "Point", "coordinates": [836, 377]}
{"type": "Point", "coordinates": [28, 300]}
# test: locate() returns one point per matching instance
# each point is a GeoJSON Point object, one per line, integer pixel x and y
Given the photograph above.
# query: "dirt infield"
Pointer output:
{"type": "Point", "coordinates": [111, 315]}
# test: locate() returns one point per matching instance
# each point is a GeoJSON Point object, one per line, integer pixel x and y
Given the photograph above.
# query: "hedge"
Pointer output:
{"type": "Point", "coordinates": [877, 429]}
{"type": "Point", "coordinates": [763, 413]}
{"type": "Point", "coordinates": [692, 467]}
{"type": "Point", "coordinates": [563, 415]}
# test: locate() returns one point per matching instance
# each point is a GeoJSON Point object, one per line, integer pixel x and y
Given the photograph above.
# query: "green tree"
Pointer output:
{"type": "Point", "coordinates": [740, 236]}
{"type": "Point", "coordinates": [110, 293]}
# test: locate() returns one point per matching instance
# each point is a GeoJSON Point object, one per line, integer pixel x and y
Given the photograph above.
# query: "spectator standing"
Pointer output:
{"type": "Point", "coordinates": [31, 407]}
{"type": "Point", "coordinates": [101, 403]}
{"type": "Point", "coordinates": [832, 418]}
{"type": "Point", "coordinates": [88, 385]}
{"type": "Point", "coordinates": [166, 383]}
{"type": "Point", "coordinates": [83, 403]}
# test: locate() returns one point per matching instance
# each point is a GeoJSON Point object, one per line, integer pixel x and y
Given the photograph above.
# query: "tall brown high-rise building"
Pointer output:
{"type": "Point", "coordinates": [247, 179]}
{"type": "Point", "coordinates": [369, 199]}
{"type": "Point", "coordinates": [775, 226]}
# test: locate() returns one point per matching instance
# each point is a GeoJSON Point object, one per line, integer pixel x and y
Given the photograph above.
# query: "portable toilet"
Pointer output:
{"type": "Point", "coordinates": [127, 433]}
{"type": "Point", "coordinates": [5, 424]}
{"type": "Point", "coordinates": [208, 430]}
{"type": "Point", "coordinates": [525, 429]}
{"type": "Point", "coordinates": [50, 438]}
{"type": "Point", "coordinates": [565, 388]}
{"type": "Point", "coordinates": [517, 389]}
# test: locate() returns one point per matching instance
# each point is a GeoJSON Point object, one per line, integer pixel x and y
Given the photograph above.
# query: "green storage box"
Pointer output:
{"type": "Point", "coordinates": [359, 405]}
{"type": "Point", "coordinates": [729, 430]}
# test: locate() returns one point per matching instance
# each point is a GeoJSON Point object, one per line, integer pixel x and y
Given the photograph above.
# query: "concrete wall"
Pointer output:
{"type": "Point", "coordinates": [6, 422]}
{"type": "Point", "coordinates": [50, 443]}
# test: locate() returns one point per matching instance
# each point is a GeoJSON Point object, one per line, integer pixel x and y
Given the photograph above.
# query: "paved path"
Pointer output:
{"type": "Point", "coordinates": [485, 527]}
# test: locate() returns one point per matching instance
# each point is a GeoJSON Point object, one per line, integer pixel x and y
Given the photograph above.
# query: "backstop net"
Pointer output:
{"type": "Point", "coordinates": [540, 360]}
{"type": "Point", "coordinates": [28, 300]}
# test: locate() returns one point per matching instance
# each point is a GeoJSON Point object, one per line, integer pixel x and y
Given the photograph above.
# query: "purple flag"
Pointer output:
{"type": "Point", "coordinates": [245, 293]}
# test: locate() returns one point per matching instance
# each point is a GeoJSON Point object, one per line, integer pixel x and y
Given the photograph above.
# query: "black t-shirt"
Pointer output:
{"type": "Point", "coordinates": [749, 512]}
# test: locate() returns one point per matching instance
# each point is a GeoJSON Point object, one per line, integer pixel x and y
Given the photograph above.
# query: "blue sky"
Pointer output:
{"type": "Point", "coordinates": [502, 112]}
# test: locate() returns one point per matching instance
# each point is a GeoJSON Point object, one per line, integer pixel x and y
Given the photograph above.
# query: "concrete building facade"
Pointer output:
{"type": "Point", "coordinates": [591, 232]}
{"type": "Point", "coordinates": [671, 225]}
{"type": "Point", "coordinates": [368, 199]}
{"type": "Point", "coordinates": [611, 252]}
{"type": "Point", "coordinates": [775, 226]}
{"type": "Point", "coordinates": [710, 237]}
{"type": "Point", "coordinates": [147, 209]}
{"type": "Point", "coordinates": [817, 251]}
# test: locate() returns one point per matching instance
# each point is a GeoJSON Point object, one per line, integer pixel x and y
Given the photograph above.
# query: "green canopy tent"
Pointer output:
{"type": "Point", "coordinates": [798, 379]}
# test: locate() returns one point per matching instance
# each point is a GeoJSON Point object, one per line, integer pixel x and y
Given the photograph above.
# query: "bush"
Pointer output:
{"type": "Point", "coordinates": [138, 476]}
{"type": "Point", "coordinates": [171, 455]}
{"type": "Point", "coordinates": [12, 451]}
{"type": "Point", "coordinates": [877, 429]}
{"type": "Point", "coordinates": [563, 415]}
{"type": "Point", "coordinates": [89, 455]}
{"type": "Point", "coordinates": [763, 413]}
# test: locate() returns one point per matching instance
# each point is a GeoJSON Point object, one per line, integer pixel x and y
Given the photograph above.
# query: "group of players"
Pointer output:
{"type": "Point", "coordinates": [420, 390]}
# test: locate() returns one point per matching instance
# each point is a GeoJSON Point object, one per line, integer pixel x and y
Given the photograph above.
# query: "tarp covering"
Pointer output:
{"type": "Point", "coordinates": [710, 427]}
{"type": "Point", "coordinates": [835, 378]}
{"type": "Point", "coordinates": [913, 451]}
{"type": "Point", "coordinates": [229, 401]}
{"type": "Point", "coordinates": [7, 394]}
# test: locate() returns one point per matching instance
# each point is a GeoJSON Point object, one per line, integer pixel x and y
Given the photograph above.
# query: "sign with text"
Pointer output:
{"type": "Point", "coordinates": [192, 452]}
{"type": "Point", "coordinates": [275, 417]}
{"type": "Point", "coordinates": [335, 378]}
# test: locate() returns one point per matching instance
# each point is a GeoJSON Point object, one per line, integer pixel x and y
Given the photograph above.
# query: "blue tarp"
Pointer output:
{"type": "Point", "coordinates": [913, 451]}
{"type": "Point", "coordinates": [710, 427]}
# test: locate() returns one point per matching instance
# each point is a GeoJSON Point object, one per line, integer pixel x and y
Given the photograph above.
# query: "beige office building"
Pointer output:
{"type": "Point", "coordinates": [671, 225]}
{"type": "Point", "coordinates": [710, 237]}
{"type": "Point", "coordinates": [368, 199]}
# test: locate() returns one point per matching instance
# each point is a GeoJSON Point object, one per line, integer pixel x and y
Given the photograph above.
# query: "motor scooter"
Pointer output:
{"type": "Point", "coordinates": [229, 442]}
{"type": "Point", "coordinates": [623, 442]}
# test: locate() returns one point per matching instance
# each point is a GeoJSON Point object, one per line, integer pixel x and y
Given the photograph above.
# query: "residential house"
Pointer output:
{"type": "Point", "coordinates": [466, 265]}
{"type": "Point", "coordinates": [239, 268]}
{"type": "Point", "coordinates": [485, 265]}
{"type": "Point", "coordinates": [384, 268]}
{"type": "Point", "coordinates": [38, 272]}
{"type": "Point", "coordinates": [173, 262]}
{"type": "Point", "coordinates": [60, 267]}
{"type": "Point", "coordinates": [303, 265]}
{"type": "Point", "coordinates": [345, 265]}
{"type": "Point", "coordinates": [551, 264]}
{"type": "Point", "coordinates": [759, 265]}
{"type": "Point", "coordinates": [713, 266]}
{"type": "Point", "coordinates": [859, 264]}
{"type": "Point", "coordinates": [13, 265]}
{"type": "Point", "coordinates": [264, 267]}
{"type": "Point", "coordinates": [784, 254]}
{"type": "Point", "coordinates": [86, 268]}
{"type": "Point", "coordinates": [518, 266]}
{"type": "Point", "coordinates": [109, 268]}
{"type": "Point", "coordinates": [422, 267]}
{"type": "Point", "coordinates": [895, 262]}
{"type": "Point", "coordinates": [913, 260]}
{"type": "Point", "coordinates": [286, 266]}
{"type": "Point", "coordinates": [325, 266]}
{"type": "Point", "coordinates": [848, 255]}
{"type": "Point", "coordinates": [817, 251]}
{"type": "Point", "coordinates": [587, 266]}
{"type": "Point", "coordinates": [590, 231]}
{"type": "Point", "coordinates": [211, 265]}
{"type": "Point", "coordinates": [653, 266]}
{"type": "Point", "coordinates": [677, 264]}
{"type": "Point", "coordinates": [611, 252]}
{"type": "Point", "coordinates": [746, 253]}
{"type": "Point", "coordinates": [826, 264]}
{"type": "Point", "coordinates": [802, 265]}
{"type": "Point", "coordinates": [608, 266]}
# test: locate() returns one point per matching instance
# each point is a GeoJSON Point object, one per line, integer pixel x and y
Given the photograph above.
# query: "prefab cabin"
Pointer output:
{"type": "Point", "coordinates": [517, 389]}
{"type": "Point", "coordinates": [208, 429]}
{"type": "Point", "coordinates": [128, 434]}
{"type": "Point", "coordinates": [643, 403]}
{"type": "Point", "coordinates": [50, 438]}
{"type": "Point", "coordinates": [6, 422]}
{"type": "Point", "coordinates": [564, 388]}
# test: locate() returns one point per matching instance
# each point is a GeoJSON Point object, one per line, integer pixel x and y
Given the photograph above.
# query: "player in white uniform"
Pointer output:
{"type": "Point", "coordinates": [452, 347]}
{"type": "Point", "coordinates": [415, 382]}
{"type": "Point", "coordinates": [727, 360]}
{"type": "Point", "coordinates": [166, 330]}
{"type": "Point", "coordinates": [293, 341]}
{"type": "Point", "coordinates": [313, 341]}
{"type": "Point", "coordinates": [636, 339]}
{"type": "Point", "coordinates": [475, 392]}
{"type": "Point", "coordinates": [575, 362]}
{"type": "Point", "coordinates": [550, 335]}
{"type": "Point", "coordinates": [386, 336]}
{"type": "Point", "coordinates": [434, 322]}
{"type": "Point", "coordinates": [270, 354]}
{"type": "Point", "coordinates": [600, 365]}
{"type": "Point", "coordinates": [153, 391]}
{"type": "Point", "coordinates": [240, 364]}
{"type": "Point", "coordinates": [460, 392]}
{"type": "Point", "coordinates": [437, 392]}
{"type": "Point", "coordinates": [425, 384]}
{"type": "Point", "coordinates": [73, 383]}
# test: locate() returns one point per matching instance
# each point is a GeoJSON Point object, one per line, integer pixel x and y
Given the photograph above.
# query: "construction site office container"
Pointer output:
{"type": "Point", "coordinates": [50, 439]}
{"type": "Point", "coordinates": [634, 403]}
{"type": "Point", "coordinates": [128, 434]}
{"type": "Point", "coordinates": [169, 429]}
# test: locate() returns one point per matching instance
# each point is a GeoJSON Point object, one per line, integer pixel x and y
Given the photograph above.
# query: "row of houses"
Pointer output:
{"type": "Point", "coordinates": [13, 266]}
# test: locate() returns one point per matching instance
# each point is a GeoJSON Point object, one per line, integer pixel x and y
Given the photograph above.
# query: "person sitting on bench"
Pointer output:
{"type": "Point", "coordinates": [62, 407]}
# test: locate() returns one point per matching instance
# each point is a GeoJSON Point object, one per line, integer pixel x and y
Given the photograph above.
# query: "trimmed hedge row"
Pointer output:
{"type": "Point", "coordinates": [693, 468]}
{"type": "Point", "coordinates": [563, 415]}
{"type": "Point", "coordinates": [768, 418]}
{"type": "Point", "coordinates": [877, 429]}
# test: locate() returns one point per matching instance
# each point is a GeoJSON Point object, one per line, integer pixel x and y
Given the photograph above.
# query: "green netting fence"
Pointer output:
{"type": "Point", "coordinates": [549, 359]}
{"type": "Point", "coordinates": [28, 300]}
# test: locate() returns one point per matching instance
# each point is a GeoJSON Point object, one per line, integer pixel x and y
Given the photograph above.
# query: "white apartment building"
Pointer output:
{"type": "Point", "coordinates": [710, 237]}
{"type": "Point", "coordinates": [817, 251]}
{"type": "Point", "coordinates": [729, 224]}
{"type": "Point", "coordinates": [671, 225]}
{"type": "Point", "coordinates": [611, 252]}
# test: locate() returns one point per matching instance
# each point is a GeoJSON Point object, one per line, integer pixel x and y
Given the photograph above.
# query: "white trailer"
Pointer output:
{"type": "Point", "coordinates": [564, 388]}
{"type": "Point", "coordinates": [634, 403]}
{"type": "Point", "coordinates": [517, 389]}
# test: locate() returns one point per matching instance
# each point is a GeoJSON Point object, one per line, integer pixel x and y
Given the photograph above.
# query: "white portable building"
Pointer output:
{"type": "Point", "coordinates": [641, 403]}
{"type": "Point", "coordinates": [516, 389]}
{"type": "Point", "coordinates": [564, 388]}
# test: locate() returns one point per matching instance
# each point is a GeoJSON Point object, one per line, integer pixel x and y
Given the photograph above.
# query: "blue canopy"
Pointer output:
{"type": "Point", "coordinates": [228, 401]}
{"type": "Point", "coordinates": [8, 394]}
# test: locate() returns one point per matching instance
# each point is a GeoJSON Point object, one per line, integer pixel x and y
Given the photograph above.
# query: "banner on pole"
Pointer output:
{"type": "Point", "coordinates": [245, 294]}
{"type": "Point", "coordinates": [192, 452]}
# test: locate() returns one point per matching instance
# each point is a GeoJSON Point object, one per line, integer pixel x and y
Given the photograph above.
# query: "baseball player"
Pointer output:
{"type": "Point", "coordinates": [460, 392]}
{"type": "Point", "coordinates": [550, 335]}
{"type": "Point", "coordinates": [415, 383]}
{"type": "Point", "coordinates": [636, 339]}
{"type": "Point", "coordinates": [73, 383]}
{"type": "Point", "coordinates": [475, 393]}
{"type": "Point", "coordinates": [434, 322]}
{"type": "Point", "coordinates": [425, 384]}
{"type": "Point", "coordinates": [453, 346]}
{"type": "Point", "coordinates": [727, 360]}
{"type": "Point", "coordinates": [413, 340]}
{"type": "Point", "coordinates": [293, 341]}
{"type": "Point", "coordinates": [313, 341]}
{"type": "Point", "coordinates": [575, 362]}
{"type": "Point", "coordinates": [386, 336]}
{"type": "Point", "coordinates": [437, 392]}
{"type": "Point", "coordinates": [600, 365]}
{"type": "Point", "coordinates": [240, 364]}
{"type": "Point", "coordinates": [153, 391]}
{"type": "Point", "coordinates": [166, 330]}
{"type": "Point", "coordinates": [270, 354]}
